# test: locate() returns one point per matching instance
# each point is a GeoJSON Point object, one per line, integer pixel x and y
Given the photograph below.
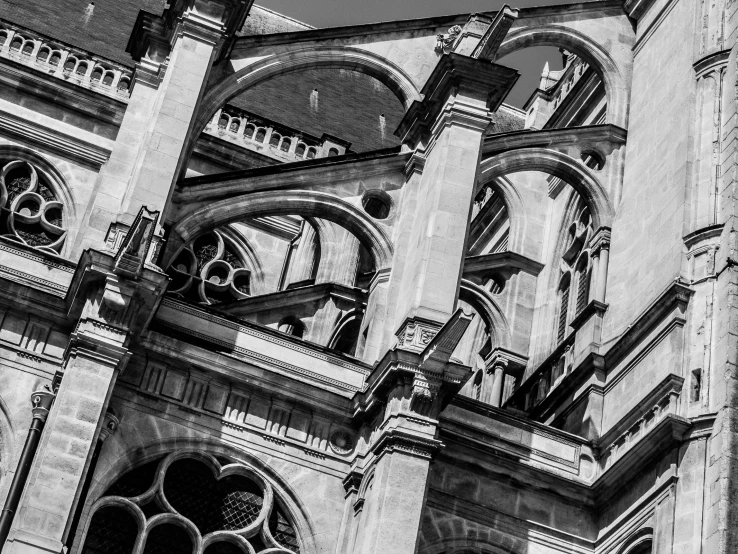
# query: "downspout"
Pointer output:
{"type": "Point", "coordinates": [41, 401]}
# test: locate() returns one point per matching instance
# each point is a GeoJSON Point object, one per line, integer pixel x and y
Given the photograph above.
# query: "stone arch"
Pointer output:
{"type": "Point", "coordinates": [266, 203]}
{"type": "Point", "coordinates": [345, 57]}
{"type": "Point", "coordinates": [483, 302]}
{"type": "Point", "coordinates": [108, 502]}
{"type": "Point", "coordinates": [517, 212]}
{"type": "Point", "coordinates": [616, 89]}
{"type": "Point", "coordinates": [559, 165]}
{"type": "Point", "coordinates": [497, 543]}
{"type": "Point", "coordinates": [119, 457]}
{"type": "Point", "coordinates": [637, 542]}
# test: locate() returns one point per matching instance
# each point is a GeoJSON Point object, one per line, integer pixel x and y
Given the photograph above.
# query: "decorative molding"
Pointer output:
{"type": "Point", "coordinates": [264, 335]}
{"type": "Point", "coordinates": [252, 356]}
{"type": "Point", "coordinates": [43, 137]}
{"type": "Point", "coordinates": [399, 441]}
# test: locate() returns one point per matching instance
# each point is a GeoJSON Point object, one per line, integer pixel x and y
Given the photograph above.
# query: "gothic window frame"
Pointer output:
{"type": "Point", "coordinates": [53, 181]}
{"type": "Point", "coordinates": [274, 508]}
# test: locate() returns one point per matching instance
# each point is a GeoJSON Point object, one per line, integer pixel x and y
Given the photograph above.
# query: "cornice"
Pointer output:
{"type": "Point", "coordinates": [46, 138]}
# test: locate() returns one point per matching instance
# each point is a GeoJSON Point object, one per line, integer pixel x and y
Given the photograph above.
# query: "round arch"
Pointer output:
{"type": "Point", "coordinates": [583, 46]}
{"type": "Point", "coordinates": [559, 165]}
{"type": "Point", "coordinates": [486, 306]}
{"type": "Point", "coordinates": [345, 57]}
{"type": "Point", "coordinates": [271, 203]}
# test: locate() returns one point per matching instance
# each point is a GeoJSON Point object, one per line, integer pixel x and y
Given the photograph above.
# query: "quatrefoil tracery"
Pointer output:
{"type": "Point", "coordinates": [220, 504]}
{"type": "Point", "coordinates": [30, 212]}
{"type": "Point", "coordinates": [207, 270]}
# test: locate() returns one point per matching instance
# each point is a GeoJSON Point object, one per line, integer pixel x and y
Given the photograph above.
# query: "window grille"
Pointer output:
{"type": "Point", "coordinates": [239, 507]}
{"type": "Point", "coordinates": [582, 289]}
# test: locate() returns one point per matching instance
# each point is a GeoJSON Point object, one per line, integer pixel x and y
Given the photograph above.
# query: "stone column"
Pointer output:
{"type": "Point", "coordinates": [498, 370]}
{"type": "Point", "coordinates": [113, 309]}
{"type": "Point", "coordinates": [446, 129]}
{"type": "Point", "coordinates": [174, 55]}
{"type": "Point", "coordinates": [600, 249]}
{"type": "Point", "coordinates": [409, 390]}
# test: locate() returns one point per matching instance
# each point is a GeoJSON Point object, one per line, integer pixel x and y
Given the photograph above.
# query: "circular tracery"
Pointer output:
{"type": "Point", "coordinates": [30, 212]}
{"type": "Point", "coordinates": [191, 503]}
{"type": "Point", "coordinates": [209, 270]}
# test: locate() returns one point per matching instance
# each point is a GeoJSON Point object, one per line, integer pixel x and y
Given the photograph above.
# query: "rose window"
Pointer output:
{"type": "Point", "coordinates": [190, 504]}
{"type": "Point", "coordinates": [209, 271]}
{"type": "Point", "coordinates": [30, 212]}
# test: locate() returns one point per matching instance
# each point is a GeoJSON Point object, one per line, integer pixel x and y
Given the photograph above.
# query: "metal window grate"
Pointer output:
{"type": "Point", "coordinates": [112, 531]}
{"type": "Point", "coordinates": [229, 504]}
{"type": "Point", "coordinates": [282, 530]}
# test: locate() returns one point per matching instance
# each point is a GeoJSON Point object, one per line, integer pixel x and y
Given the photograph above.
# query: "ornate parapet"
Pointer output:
{"type": "Point", "coordinates": [64, 62]}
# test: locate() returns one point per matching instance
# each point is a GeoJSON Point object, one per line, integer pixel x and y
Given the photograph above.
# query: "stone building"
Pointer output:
{"type": "Point", "coordinates": [271, 288]}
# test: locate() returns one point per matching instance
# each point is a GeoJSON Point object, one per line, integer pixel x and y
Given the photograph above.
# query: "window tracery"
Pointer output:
{"type": "Point", "coordinates": [30, 211]}
{"type": "Point", "coordinates": [209, 270]}
{"type": "Point", "coordinates": [190, 503]}
{"type": "Point", "coordinates": [576, 271]}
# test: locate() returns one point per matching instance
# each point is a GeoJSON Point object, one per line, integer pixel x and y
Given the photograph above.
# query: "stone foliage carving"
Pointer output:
{"type": "Point", "coordinates": [30, 212]}
{"type": "Point", "coordinates": [445, 42]}
{"type": "Point", "coordinates": [207, 501]}
{"type": "Point", "coordinates": [209, 271]}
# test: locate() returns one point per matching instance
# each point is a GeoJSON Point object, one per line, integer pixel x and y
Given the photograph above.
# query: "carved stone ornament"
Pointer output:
{"type": "Point", "coordinates": [41, 402]}
{"type": "Point", "coordinates": [30, 212]}
{"type": "Point", "coordinates": [342, 442]}
{"type": "Point", "coordinates": [445, 42]}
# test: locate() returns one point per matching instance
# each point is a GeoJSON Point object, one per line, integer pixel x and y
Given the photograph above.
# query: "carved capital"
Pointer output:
{"type": "Point", "coordinates": [395, 440]}
{"type": "Point", "coordinates": [110, 425]}
{"type": "Point", "coordinates": [510, 362]}
{"type": "Point", "coordinates": [415, 334]}
{"type": "Point", "coordinates": [600, 241]}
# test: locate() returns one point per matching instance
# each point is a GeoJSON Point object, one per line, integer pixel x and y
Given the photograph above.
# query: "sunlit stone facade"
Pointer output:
{"type": "Point", "coordinates": [268, 288]}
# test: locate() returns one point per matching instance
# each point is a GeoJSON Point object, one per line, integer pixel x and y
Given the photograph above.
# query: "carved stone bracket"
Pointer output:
{"type": "Point", "coordinates": [134, 252]}
{"type": "Point", "coordinates": [396, 440]}
{"type": "Point", "coordinates": [600, 241]}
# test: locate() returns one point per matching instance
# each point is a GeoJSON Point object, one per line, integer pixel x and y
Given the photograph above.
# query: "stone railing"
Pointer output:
{"type": "Point", "coordinates": [64, 62]}
{"type": "Point", "coordinates": [254, 133]}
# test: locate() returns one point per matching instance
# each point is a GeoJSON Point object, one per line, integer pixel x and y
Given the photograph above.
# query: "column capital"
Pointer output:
{"type": "Point", "coordinates": [600, 241]}
{"type": "Point", "coordinates": [460, 90]}
{"type": "Point", "coordinates": [509, 361]}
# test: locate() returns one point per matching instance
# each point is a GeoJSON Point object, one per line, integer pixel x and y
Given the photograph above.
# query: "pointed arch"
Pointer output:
{"type": "Point", "coordinates": [486, 306]}
{"type": "Point", "coordinates": [559, 165]}
{"type": "Point", "coordinates": [613, 77]}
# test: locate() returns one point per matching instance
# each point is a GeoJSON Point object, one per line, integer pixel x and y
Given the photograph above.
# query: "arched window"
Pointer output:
{"type": "Point", "coordinates": [274, 140]}
{"type": "Point", "coordinates": [583, 278]}
{"type": "Point", "coordinates": [285, 146]}
{"type": "Point", "coordinates": [333, 152]}
{"type": "Point", "coordinates": [300, 150]}
{"type": "Point", "coordinates": [97, 75]}
{"type": "Point", "coordinates": [17, 44]}
{"type": "Point", "coordinates": [206, 502]}
{"type": "Point", "coordinates": [28, 47]}
{"type": "Point", "coordinates": [43, 54]}
{"type": "Point", "coordinates": [563, 307]}
{"type": "Point", "coordinates": [346, 336]}
{"type": "Point", "coordinates": [292, 326]}
{"type": "Point", "coordinates": [168, 537]}
{"type": "Point", "coordinates": [235, 124]}
{"type": "Point", "coordinates": [260, 135]}
{"type": "Point", "coordinates": [248, 132]}
{"type": "Point", "coordinates": [477, 386]}
{"type": "Point", "coordinates": [108, 78]}
{"type": "Point", "coordinates": [55, 59]}
{"type": "Point", "coordinates": [311, 153]}
{"type": "Point", "coordinates": [223, 121]}
{"type": "Point", "coordinates": [124, 84]}
{"type": "Point", "coordinates": [81, 68]}
{"type": "Point", "coordinates": [112, 529]}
